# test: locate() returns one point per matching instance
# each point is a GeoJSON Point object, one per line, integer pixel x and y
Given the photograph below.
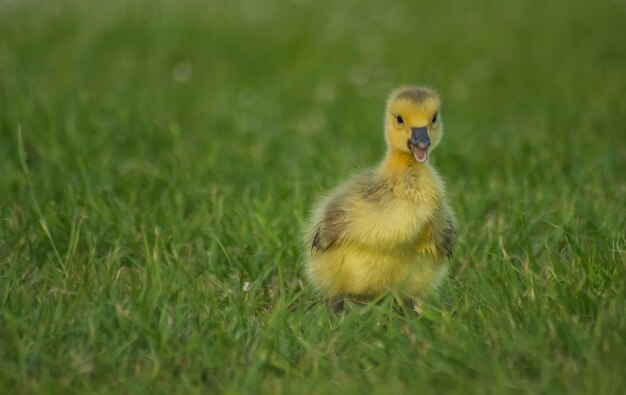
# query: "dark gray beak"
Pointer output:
{"type": "Point", "coordinates": [419, 137]}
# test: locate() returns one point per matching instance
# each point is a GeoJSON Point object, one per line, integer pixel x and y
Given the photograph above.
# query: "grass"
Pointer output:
{"type": "Point", "coordinates": [156, 158]}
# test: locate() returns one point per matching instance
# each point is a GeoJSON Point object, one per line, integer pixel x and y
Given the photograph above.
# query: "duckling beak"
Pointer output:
{"type": "Point", "coordinates": [418, 143]}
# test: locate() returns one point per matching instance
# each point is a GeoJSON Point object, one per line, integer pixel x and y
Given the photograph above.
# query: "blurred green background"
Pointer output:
{"type": "Point", "coordinates": [155, 156]}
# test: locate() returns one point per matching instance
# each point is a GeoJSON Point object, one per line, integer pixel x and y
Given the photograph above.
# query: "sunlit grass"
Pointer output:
{"type": "Point", "coordinates": [158, 161]}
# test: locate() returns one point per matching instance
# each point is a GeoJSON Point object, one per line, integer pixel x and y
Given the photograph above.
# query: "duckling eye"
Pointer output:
{"type": "Point", "coordinates": [435, 117]}
{"type": "Point", "coordinates": [399, 119]}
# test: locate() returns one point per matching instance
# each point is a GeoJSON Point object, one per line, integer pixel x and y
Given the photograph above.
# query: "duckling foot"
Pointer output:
{"type": "Point", "coordinates": [406, 306]}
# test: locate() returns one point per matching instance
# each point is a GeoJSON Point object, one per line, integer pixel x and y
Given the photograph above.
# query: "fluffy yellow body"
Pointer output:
{"type": "Point", "coordinates": [388, 229]}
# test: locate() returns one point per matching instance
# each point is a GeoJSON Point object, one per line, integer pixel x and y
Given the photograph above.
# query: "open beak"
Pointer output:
{"type": "Point", "coordinates": [418, 143]}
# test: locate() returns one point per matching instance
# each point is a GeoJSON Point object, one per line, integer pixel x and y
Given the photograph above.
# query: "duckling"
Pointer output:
{"type": "Point", "coordinates": [389, 228]}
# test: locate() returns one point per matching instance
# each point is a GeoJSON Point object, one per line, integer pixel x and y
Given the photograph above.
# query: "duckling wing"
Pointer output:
{"type": "Point", "coordinates": [444, 232]}
{"type": "Point", "coordinates": [338, 214]}
{"type": "Point", "coordinates": [446, 242]}
{"type": "Point", "coordinates": [329, 229]}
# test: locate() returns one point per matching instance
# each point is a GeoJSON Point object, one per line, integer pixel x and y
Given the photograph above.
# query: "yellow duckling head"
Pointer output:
{"type": "Point", "coordinates": [412, 122]}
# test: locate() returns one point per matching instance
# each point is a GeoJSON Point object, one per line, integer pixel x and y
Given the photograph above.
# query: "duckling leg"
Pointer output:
{"type": "Point", "coordinates": [404, 306]}
{"type": "Point", "coordinates": [336, 305]}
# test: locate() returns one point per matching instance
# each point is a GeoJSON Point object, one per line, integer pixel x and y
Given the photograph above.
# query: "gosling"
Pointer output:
{"type": "Point", "coordinates": [388, 229]}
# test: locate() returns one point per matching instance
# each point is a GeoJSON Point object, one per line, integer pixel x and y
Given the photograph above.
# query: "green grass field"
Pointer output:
{"type": "Point", "coordinates": [157, 156]}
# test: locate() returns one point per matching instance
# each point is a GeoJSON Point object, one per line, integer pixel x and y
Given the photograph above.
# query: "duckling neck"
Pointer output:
{"type": "Point", "coordinates": [398, 162]}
